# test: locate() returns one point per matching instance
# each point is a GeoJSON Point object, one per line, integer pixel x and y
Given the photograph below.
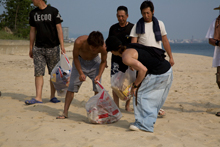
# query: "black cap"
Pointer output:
{"type": "Point", "coordinates": [112, 43]}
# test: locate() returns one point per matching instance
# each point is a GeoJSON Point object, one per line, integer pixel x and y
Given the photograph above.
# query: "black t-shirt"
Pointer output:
{"type": "Point", "coordinates": [122, 33]}
{"type": "Point", "coordinates": [45, 22]}
{"type": "Point", "coordinates": [153, 64]}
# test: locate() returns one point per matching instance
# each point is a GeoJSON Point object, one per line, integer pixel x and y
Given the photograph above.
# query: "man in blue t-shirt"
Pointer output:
{"type": "Point", "coordinates": [45, 22]}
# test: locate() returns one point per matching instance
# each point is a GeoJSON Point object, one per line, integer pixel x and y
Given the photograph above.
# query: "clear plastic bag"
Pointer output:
{"type": "Point", "coordinates": [101, 109]}
{"type": "Point", "coordinates": [121, 83]}
{"type": "Point", "coordinates": [60, 75]}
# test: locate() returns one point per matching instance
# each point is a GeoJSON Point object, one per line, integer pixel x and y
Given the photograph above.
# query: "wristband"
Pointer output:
{"type": "Point", "coordinates": [134, 86]}
{"type": "Point", "coordinates": [216, 42]}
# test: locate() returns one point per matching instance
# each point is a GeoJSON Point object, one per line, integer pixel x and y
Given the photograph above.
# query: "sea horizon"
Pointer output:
{"type": "Point", "coordinates": [204, 49]}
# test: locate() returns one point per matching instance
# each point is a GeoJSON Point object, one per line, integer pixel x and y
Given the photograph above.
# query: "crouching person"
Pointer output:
{"type": "Point", "coordinates": [86, 62]}
{"type": "Point", "coordinates": [153, 82]}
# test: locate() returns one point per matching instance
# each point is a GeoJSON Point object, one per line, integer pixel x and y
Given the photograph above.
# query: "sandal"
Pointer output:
{"type": "Point", "coordinates": [32, 101]}
{"type": "Point", "coordinates": [54, 100]}
{"type": "Point", "coordinates": [218, 114]}
{"type": "Point", "coordinates": [61, 117]}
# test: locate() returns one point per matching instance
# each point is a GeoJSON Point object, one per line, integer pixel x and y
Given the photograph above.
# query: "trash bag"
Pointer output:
{"type": "Point", "coordinates": [121, 83]}
{"type": "Point", "coordinates": [101, 109]}
{"type": "Point", "coordinates": [60, 75]}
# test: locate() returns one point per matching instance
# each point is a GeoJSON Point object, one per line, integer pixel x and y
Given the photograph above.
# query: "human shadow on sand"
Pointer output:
{"type": "Point", "coordinates": [23, 97]}
{"type": "Point", "coordinates": [54, 112]}
{"type": "Point", "coordinates": [72, 116]}
{"type": "Point", "coordinates": [188, 107]}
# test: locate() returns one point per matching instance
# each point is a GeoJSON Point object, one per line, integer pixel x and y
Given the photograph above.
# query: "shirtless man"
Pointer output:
{"type": "Point", "coordinates": [86, 62]}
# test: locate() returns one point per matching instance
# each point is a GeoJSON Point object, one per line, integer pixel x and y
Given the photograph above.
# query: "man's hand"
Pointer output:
{"type": "Point", "coordinates": [97, 78]}
{"type": "Point", "coordinates": [106, 65]}
{"type": "Point", "coordinates": [31, 53]}
{"type": "Point", "coordinates": [82, 77]}
{"type": "Point", "coordinates": [133, 91]}
{"type": "Point", "coordinates": [131, 68]}
{"type": "Point", "coordinates": [171, 61]}
{"type": "Point", "coordinates": [63, 51]}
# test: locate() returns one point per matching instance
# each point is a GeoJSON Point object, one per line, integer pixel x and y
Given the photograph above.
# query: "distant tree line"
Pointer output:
{"type": "Point", "coordinates": [16, 16]}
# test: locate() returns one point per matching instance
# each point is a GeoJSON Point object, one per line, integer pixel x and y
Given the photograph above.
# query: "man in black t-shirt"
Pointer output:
{"type": "Point", "coordinates": [122, 31]}
{"type": "Point", "coordinates": [45, 22]}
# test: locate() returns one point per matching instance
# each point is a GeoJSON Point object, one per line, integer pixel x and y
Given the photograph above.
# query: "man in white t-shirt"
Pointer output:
{"type": "Point", "coordinates": [213, 35]}
{"type": "Point", "coordinates": [148, 38]}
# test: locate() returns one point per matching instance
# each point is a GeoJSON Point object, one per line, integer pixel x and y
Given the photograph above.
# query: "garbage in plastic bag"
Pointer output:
{"type": "Point", "coordinates": [101, 109]}
{"type": "Point", "coordinates": [60, 75]}
{"type": "Point", "coordinates": [121, 83]}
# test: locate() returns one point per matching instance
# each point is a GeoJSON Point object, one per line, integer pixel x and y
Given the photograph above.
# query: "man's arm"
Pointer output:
{"type": "Point", "coordinates": [213, 41]}
{"type": "Point", "coordinates": [102, 64]}
{"type": "Point", "coordinates": [60, 36]}
{"type": "Point", "coordinates": [77, 46]}
{"type": "Point", "coordinates": [134, 40]}
{"type": "Point", "coordinates": [32, 38]}
{"type": "Point", "coordinates": [167, 47]}
{"type": "Point", "coordinates": [129, 57]}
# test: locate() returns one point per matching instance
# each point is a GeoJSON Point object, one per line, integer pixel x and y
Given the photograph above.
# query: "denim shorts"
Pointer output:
{"type": "Point", "coordinates": [43, 57]}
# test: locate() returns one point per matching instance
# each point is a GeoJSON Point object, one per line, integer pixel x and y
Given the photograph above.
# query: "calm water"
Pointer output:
{"type": "Point", "coordinates": [193, 48]}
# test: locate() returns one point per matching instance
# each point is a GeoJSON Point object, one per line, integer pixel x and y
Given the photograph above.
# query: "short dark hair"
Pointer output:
{"type": "Point", "coordinates": [123, 8]}
{"type": "Point", "coordinates": [147, 4]}
{"type": "Point", "coordinates": [95, 39]}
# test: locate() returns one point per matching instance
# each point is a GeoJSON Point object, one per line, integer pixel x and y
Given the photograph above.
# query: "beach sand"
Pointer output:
{"type": "Point", "coordinates": [190, 119]}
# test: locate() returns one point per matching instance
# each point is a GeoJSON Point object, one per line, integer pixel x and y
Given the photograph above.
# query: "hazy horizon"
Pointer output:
{"type": "Point", "coordinates": [182, 19]}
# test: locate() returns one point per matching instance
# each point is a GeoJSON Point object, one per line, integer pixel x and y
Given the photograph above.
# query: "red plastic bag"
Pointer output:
{"type": "Point", "coordinates": [101, 109]}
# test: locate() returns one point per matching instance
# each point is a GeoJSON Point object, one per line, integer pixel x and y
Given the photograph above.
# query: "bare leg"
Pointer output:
{"type": "Point", "coordinates": [52, 90]}
{"type": "Point", "coordinates": [39, 81]}
{"type": "Point", "coordinates": [218, 69]}
{"type": "Point", "coordinates": [115, 97]}
{"type": "Point", "coordinates": [127, 105]}
{"type": "Point", "coordinates": [218, 76]}
{"type": "Point", "coordinates": [68, 100]}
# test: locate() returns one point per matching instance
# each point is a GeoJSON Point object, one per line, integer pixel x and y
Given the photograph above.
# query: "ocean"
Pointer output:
{"type": "Point", "coordinates": [204, 49]}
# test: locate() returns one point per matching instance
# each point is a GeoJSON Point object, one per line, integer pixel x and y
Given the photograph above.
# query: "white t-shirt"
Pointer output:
{"type": "Point", "coordinates": [148, 39]}
{"type": "Point", "coordinates": [216, 55]}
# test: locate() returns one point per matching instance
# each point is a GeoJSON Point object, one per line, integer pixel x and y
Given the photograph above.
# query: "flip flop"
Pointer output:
{"type": "Point", "coordinates": [61, 117]}
{"type": "Point", "coordinates": [54, 100]}
{"type": "Point", "coordinates": [32, 101]}
{"type": "Point", "coordinates": [218, 114]}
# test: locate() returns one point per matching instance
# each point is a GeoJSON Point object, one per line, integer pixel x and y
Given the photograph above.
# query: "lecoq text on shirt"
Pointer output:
{"type": "Point", "coordinates": [42, 17]}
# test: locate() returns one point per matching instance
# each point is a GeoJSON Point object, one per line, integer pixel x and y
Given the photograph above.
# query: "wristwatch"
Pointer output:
{"type": "Point", "coordinates": [217, 43]}
{"type": "Point", "coordinates": [134, 86]}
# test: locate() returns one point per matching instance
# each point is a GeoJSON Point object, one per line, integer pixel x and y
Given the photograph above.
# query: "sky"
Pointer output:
{"type": "Point", "coordinates": [183, 19]}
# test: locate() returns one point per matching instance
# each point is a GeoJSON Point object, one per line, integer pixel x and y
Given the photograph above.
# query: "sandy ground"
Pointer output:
{"type": "Point", "coordinates": [190, 119]}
